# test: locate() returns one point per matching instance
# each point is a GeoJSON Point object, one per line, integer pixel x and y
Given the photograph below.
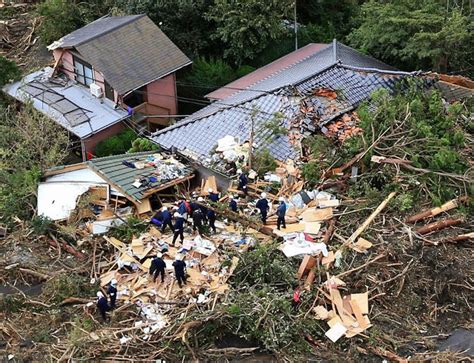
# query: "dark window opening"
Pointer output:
{"type": "Point", "coordinates": [109, 91]}
{"type": "Point", "coordinates": [135, 98]}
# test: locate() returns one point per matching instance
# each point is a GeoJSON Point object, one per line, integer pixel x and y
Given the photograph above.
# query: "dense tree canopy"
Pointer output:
{"type": "Point", "coordinates": [429, 34]}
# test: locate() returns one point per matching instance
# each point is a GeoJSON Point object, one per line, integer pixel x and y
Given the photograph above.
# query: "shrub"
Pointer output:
{"type": "Point", "coordinates": [263, 162]}
{"type": "Point", "coordinates": [143, 144]}
{"type": "Point", "coordinates": [9, 71]}
{"type": "Point", "coordinates": [60, 18]}
{"type": "Point", "coordinates": [210, 74]}
{"type": "Point", "coordinates": [115, 145]}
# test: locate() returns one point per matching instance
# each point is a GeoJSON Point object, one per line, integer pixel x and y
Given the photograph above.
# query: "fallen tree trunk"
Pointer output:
{"type": "Point", "coordinates": [435, 211]}
{"type": "Point", "coordinates": [67, 247]}
{"type": "Point", "coordinates": [436, 226]}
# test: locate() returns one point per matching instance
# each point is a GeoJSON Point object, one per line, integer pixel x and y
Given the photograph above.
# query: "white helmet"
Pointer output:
{"type": "Point", "coordinates": [264, 195]}
{"type": "Point", "coordinates": [159, 255]}
{"type": "Point", "coordinates": [164, 208]}
{"type": "Point", "coordinates": [178, 257]}
{"type": "Point", "coordinates": [239, 171]}
{"type": "Point", "coordinates": [210, 190]}
{"type": "Point", "coordinates": [99, 294]}
{"type": "Point", "coordinates": [200, 199]}
{"type": "Point", "coordinates": [231, 196]}
{"type": "Point", "coordinates": [113, 282]}
{"type": "Point", "coordinates": [281, 199]}
{"type": "Point", "coordinates": [177, 215]}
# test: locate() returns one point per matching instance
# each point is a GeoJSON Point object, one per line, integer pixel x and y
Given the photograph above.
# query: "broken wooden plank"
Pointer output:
{"type": "Point", "coordinates": [369, 220]}
{"type": "Point", "coordinates": [362, 245]}
{"type": "Point", "coordinates": [317, 215]}
{"type": "Point", "coordinates": [119, 246]}
{"type": "Point", "coordinates": [307, 264]}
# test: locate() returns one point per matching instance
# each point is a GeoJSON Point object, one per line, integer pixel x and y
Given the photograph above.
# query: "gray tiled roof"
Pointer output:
{"type": "Point", "coordinates": [112, 169]}
{"type": "Point", "coordinates": [198, 136]}
{"type": "Point", "coordinates": [130, 51]}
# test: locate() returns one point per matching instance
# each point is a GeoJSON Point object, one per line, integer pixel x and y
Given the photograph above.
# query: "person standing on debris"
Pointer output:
{"type": "Point", "coordinates": [233, 204]}
{"type": "Point", "coordinates": [112, 292]}
{"type": "Point", "coordinates": [157, 267]}
{"type": "Point", "coordinates": [243, 181]}
{"type": "Point", "coordinates": [102, 305]}
{"type": "Point", "coordinates": [203, 208]}
{"type": "Point", "coordinates": [211, 215]}
{"type": "Point", "coordinates": [182, 209]}
{"type": "Point", "coordinates": [180, 270]}
{"type": "Point", "coordinates": [263, 206]}
{"type": "Point", "coordinates": [213, 197]}
{"type": "Point", "coordinates": [166, 219]}
{"type": "Point", "coordinates": [281, 211]}
{"type": "Point", "coordinates": [197, 221]}
{"type": "Point", "coordinates": [178, 228]}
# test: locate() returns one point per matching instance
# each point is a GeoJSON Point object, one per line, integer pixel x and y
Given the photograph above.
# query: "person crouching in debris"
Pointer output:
{"type": "Point", "coordinates": [213, 197]}
{"type": "Point", "coordinates": [211, 215]}
{"type": "Point", "coordinates": [243, 181]}
{"type": "Point", "coordinates": [157, 267]}
{"type": "Point", "coordinates": [232, 204]}
{"type": "Point", "coordinates": [197, 221]}
{"type": "Point", "coordinates": [281, 211]}
{"type": "Point", "coordinates": [112, 292]}
{"type": "Point", "coordinates": [157, 219]}
{"type": "Point", "coordinates": [180, 270]}
{"type": "Point", "coordinates": [166, 219]}
{"type": "Point", "coordinates": [102, 305]}
{"type": "Point", "coordinates": [178, 228]}
{"type": "Point", "coordinates": [262, 205]}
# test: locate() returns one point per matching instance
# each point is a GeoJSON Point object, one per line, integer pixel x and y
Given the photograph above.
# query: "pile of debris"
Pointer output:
{"type": "Point", "coordinates": [229, 156]}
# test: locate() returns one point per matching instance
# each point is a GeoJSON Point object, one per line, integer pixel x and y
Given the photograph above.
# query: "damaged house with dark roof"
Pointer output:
{"type": "Point", "coordinates": [115, 72]}
{"type": "Point", "coordinates": [314, 89]}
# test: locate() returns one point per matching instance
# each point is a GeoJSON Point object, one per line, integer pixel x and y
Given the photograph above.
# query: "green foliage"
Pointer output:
{"type": "Point", "coordinates": [133, 227]}
{"type": "Point", "coordinates": [414, 34]}
{"type": "Point", "coordinates": [115, 145]}
{"type": "Point", "coordinates": [11, 304]}
{"type": "Point", "coordinates": [60, 18]}
{"type": "Point", "coordinates": [41, 225]}
{"type": "Point", "coordinates": [63, 286]}
{"type": "Point", "coordinates": [210, 74]}
{"type": "Point", "coordinates": [320, 149]}
{"type": "Point", "coordinates": [9, 71]}
{"type": "Point", "coordinates": [142, 144]}
{"type": "Point", "coordinates": [246, 27]}
{"type": "Point", "coordinates": [244, 70]}
{"type": "Point", "coordinates": [183, 21]}
{"type": "Point", "coordinates": [263, 162]}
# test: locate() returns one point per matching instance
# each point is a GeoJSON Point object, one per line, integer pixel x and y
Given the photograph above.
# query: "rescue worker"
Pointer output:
{"type": "Point", "coordinates": [102, 305]}
{"type": "Point", "coordinates": [211, 215]}
{"type": "Point", "coordinates": [243, 181]}
{"type": "Point", "coordinates": [112, 292]}
{"type": "Point", "coordinates": [213, 197]}
{"type": "Point", "coordinates": [180, 270]}
{"type": "Point", "coordinates": [203, 208]}
{"type": "Point", "coordinates": [178, 228]}
{"type": "Point", "coordinates": [166, 219]}
{"type": "Point", "coordinates": [197, 221]}
{"type": "Point", "coordinates": [233, 204]}
{"type": "Point", "coordinates": [263, 206]}
{"type": "Point", "coordinates": [281, 211]}
{"type": "Point", "coordinates": [157, 267]}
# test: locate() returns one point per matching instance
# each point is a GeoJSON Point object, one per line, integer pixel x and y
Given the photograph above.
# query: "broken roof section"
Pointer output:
{"type": "Point", "coordinates": [69, 104]}
{"type": "Point", "coordinates": [132, 43]}
{"type": "Point", "coordinates": [197, 135]}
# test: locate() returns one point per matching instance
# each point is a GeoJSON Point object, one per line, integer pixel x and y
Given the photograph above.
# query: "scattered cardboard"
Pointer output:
{"type": "Point", "coordinates": [321, 312]}
{"type": "Point", "coordinates": [336, 332]}
{"type": "Point", "coordinates": [334, 320]}
{"type": "Point", "coordinates": [321, 203]}
{"type": "Point", "coordinates": [144, 206]}
{"type": "Point", "coordinates": [317, 215]}
{"type": "Point", "coordinates": [331, 257]}
{"type": "Point", "coordinates": [362, 245]}
{"type": "Point", "coordinates": [290, 228]}
{"type": "Point", "coordinates": [312, 227]}
{"type": "Point", "coordinates": [362, 301]}
{"type": "Point", "coordinates": [358, 314]}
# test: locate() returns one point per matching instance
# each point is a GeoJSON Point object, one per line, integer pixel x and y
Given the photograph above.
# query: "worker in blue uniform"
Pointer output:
{"type": "Point", "coordinates": [281, 212]}
{"type": "Point", "coordinates": [263, 206]}
{"type": "Point", "coordinates": [166, 215]}
{"type": "Point", "coordinates": [178, 228]}
{"type": "Point", "coordinates": [112, 292]}
{"type": "Point", "coordinates": [233, 204]}
{"type": "Point", "coordinates": [243, 181]}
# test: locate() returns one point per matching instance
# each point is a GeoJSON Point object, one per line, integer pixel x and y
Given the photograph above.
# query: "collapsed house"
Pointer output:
{"type": "Point", "coordinates": [115, 182]}
{"type": "Point", "coordinates": [302, 97]}
{"type": "Point", "coordinates": [98, 85]}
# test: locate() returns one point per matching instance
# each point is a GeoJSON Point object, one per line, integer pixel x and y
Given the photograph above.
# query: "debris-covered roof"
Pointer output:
{"type": "Point", "coordinates": [131, 51]}
{"type": "Point", "coordinates": [294, 67]}
{"type": "Point", "coordinates": [69, 104]}
{"type": "Point", "coordinates": [140, 174]}
{"type": "Point", "coordinates": [197, 136]}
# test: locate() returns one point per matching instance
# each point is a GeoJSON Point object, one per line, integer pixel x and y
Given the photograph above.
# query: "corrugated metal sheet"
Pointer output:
{"type": "Point", "coordinates": [112, 169]}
